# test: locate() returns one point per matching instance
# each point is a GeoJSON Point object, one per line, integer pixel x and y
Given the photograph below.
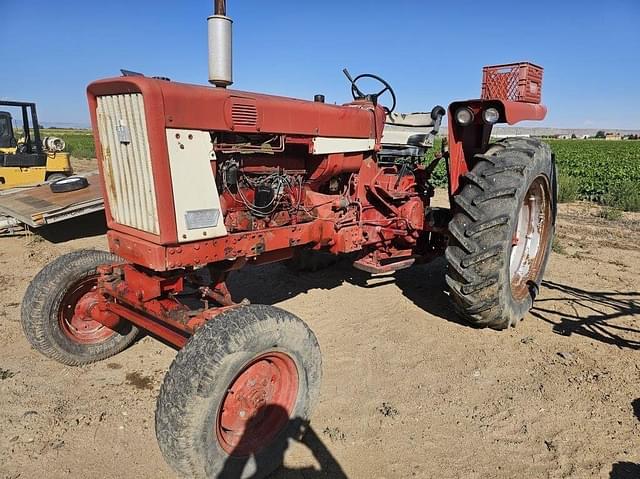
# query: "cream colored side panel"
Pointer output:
{"type": "Point", "coordinates": [323, 145]}
{"type": "Point", "coordinates": [195, 196]}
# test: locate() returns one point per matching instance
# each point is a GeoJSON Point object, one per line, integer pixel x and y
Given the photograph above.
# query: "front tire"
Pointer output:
{"type": "Point", "coordinates": [55, 326]}
{"type": "Point", "coordinates": [501, 233]}
{"type": "Point", "coordinates": [243, 385]}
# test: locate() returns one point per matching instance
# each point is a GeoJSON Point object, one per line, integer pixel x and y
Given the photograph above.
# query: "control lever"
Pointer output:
{"type": "Point", "coordinates": [354, 87]}
{"type": "Point", "coordinates": [348, 75]}
{"type": "Point", "coordinates": [437, 114]}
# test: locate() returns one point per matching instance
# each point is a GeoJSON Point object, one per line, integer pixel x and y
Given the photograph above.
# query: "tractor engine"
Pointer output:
{"type": "Point", "coordinates": [197, 175]}
{"type": "Point", "coordinates": [262, 186]}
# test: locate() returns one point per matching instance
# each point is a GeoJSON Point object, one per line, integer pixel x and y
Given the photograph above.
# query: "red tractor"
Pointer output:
{"type": "Point", "coordinates": [201, 181]}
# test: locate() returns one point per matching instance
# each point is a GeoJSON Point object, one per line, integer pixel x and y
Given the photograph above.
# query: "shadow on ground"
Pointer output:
{"type": "Point", "coordinates": [240, 464]}
{"type": "Point", "coordinates": [627, 470]}
{"type": "Point", "coordinates": [87, 226]}
{"type": "Point", "coordinates": [424, 284]}
{"type": "Point", "coordinates": [594, 314]}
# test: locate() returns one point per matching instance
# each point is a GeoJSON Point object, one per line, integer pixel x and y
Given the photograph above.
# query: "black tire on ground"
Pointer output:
{"type": "Point", "coordinates": [49, 300]}
{"type": "Point", "coordinates": [55, 177]}
{"type": "Point", "coordinates": [494, 270]}
{"type": "Point", "coordinates": [70, 183]}
{"type": "Point", "coordinates": [210, 371]}
{"type": "Point", "coordinates": [310, 260]}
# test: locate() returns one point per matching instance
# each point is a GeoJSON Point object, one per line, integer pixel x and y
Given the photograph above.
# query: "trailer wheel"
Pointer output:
{"type": "Point", "coordinates": [242, 386]}
{"type": "Point", "coordinates": [69, 183]}
{"type": "Point", "coordinates": [54, 311]}
{"type": "Point", "coordinates": [501, 233]}
{"type": "Point", "coordinates": [53, 177]}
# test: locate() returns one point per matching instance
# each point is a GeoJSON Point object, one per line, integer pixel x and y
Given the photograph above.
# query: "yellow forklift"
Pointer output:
{"type": "Point", "coordinates": [26, 158]}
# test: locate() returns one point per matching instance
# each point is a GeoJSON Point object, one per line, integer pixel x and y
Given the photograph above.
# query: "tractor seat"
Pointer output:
{"type": "Point", "coordinates": [407, 129]}
{"type": "Point", "coordinates": [411, 120]}
{"type": "Point", "coordinates": [410, 134]}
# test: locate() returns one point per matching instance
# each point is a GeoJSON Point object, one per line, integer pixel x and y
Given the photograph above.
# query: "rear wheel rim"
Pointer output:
{"type": "Point", "coordinates": [74, 313]}
{"type": "Point", "coordinates": [530, 237]}
{"type": "Point", "coordinates": [258, 404]}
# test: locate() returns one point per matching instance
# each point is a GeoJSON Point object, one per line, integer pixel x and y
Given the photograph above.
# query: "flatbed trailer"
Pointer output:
{"type": "Point", "coordinates": [35, 206]}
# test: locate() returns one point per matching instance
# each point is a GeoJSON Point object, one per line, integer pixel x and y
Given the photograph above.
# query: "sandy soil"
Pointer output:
{"type": "Point", "coordinates": [408, 391]}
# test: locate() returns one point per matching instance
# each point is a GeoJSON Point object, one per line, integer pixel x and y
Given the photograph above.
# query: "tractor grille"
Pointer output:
{"type": "Point", "coordinates": [127, 162]}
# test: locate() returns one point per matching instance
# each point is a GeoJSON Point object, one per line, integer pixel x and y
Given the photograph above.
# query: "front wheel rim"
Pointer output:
{"type": "Point", "coordinates": [258, 404]}
{"type": "Point", "coordinates": [530, 237]}
{"type": "Point", "coordinates": [74, 316]}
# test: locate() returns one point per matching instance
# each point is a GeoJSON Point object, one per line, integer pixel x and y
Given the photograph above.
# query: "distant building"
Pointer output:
{"type": "Point", "coordinates": [613, 136]}
{"type": "Point", "coordinates": [572, 136]}
{"type": "Point", "coordinates": [511, 135]}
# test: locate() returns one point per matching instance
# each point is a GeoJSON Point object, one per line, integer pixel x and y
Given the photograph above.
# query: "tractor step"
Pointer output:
{"type": "Point", "coordinates": [369, 266]}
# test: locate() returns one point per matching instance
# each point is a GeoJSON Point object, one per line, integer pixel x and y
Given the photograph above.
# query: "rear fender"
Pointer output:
{"type": "Point", "coordinates": [467, 141]}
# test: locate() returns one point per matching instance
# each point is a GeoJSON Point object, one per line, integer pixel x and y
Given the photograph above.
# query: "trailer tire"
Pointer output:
{"type": "Point", "coordinates": [199, 414]}
{"type": "Point", "coordinates": [53, 177]}
{"type": "Point", "coordinates": [48, 313]}
{"type": "Point", "coordinates": [69, 183]}
{"type": "Point", "coordinates": [501, 233]}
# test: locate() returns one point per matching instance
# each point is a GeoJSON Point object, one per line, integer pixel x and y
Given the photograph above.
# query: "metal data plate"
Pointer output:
{"type": "Point", "coordinates": [124, 135]}
{"type": "Point", "coordinates": [202, 218]}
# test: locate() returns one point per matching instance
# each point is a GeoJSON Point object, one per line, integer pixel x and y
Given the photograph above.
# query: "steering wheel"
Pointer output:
{"type": "Point", "coordinates": [357, 93]}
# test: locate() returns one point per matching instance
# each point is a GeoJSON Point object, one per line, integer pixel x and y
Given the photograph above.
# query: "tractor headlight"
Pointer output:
{"type": "Point", "coordinates": [491, 116]}
{"type": "Point", "coordinates": [464, 116]}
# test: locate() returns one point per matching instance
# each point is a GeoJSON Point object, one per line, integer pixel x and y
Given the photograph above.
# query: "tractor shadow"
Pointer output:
{"type": "Point", "coordinates": [599, 315]}
{"type": "Point", "coordinates": [87, 226]}
{"type": "Point", "coordinates": [624, 469]}
{"type": "Point", "coordinates": [423, 284]}
{"type": "Point", "coordinates": [258, 465]}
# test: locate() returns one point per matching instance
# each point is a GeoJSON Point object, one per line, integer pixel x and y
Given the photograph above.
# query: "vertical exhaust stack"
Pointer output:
{"type": "Point", "coordinates": [220, 46]}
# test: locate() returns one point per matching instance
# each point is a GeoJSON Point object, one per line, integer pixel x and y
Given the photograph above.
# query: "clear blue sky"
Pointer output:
{"type": "Point", "coordinates": [431, 52]}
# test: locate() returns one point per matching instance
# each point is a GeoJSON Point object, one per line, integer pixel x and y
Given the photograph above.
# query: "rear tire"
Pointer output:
{"type": "Point", "coordinates": [218, 413]}
{"type": "Point", "coordinates": [48, 312]}
{"type": "Point", "coordinates": [501, 233]}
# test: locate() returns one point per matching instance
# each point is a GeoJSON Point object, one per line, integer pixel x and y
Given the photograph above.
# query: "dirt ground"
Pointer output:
{"type": "Point", "coordinates": [408, 391]}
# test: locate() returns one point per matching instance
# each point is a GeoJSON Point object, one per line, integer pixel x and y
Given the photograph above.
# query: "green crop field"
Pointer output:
{"type": "Point", "coordinates": [607, 172]}
{"type": "Point", "coordinates": [79, 142]}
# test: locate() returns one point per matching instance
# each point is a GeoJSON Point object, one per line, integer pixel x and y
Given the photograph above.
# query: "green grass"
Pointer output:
{"type": "Point", "coordinates": [611, 214]}
{"type": "Point", "coordinates": [624, 196]}
{"type": "Point", "coordinates": [439, 176]}
{"type": "Point", "coordinates": [606, 172]}
{"type": "Point", "coordinates": [568, 189]}
{"type": "Point", "coordinates": [79, 142]}
{"type": "Point", "coordinates": [557, 246]}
